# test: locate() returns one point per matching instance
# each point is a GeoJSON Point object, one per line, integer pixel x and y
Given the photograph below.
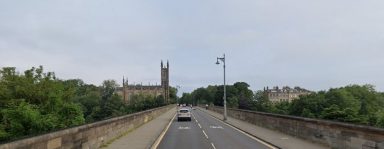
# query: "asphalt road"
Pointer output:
{"type": "Point", "coordinates": [206, 132]}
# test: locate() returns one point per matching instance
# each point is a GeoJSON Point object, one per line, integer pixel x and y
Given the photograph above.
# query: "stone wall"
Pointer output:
{"type": "Point", "coordinates": [333, 134]}
{"type": "Point", "coordinates": [89, 136]}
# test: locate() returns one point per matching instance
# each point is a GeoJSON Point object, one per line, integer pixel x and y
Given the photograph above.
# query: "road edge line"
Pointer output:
{"type": "Point", "coordinates": [244, 132]}
{"type": "Point", "coordinates": [158, 140]}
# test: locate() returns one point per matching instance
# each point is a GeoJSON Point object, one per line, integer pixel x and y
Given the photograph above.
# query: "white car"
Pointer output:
{"type": "Point", "coordinates": [184, 114]}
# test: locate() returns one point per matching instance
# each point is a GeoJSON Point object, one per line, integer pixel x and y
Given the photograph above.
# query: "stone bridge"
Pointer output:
{"type": "Point", "coordinates": [280, 131]}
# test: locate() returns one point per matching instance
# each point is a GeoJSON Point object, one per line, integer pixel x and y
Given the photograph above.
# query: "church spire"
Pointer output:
{"type": "Point", "coordinates": [161, 63]}
{"type": "Point", "coordinates": [123, 81]}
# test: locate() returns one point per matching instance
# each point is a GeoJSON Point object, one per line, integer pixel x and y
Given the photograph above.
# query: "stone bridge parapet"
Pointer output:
{"type": "Point", "coordinates": [333, 134]}
{"type": "Point", "coordinates": [88, 136]}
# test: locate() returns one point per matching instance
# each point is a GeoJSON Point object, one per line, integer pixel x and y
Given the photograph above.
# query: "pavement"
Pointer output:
{"type": "Point", "coordinates": [206, 132]}
{"type": "Point", "coordinates": [144, 136]}
{"type": "Point", "coordinates": [278, 139]}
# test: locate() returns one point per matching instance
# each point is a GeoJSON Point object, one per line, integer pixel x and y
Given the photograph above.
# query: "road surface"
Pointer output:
{"type": "Point", "coordinates": [206, 132]}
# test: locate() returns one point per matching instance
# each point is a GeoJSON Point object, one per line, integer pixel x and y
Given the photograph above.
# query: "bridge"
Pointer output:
{"type": "Point", "coordinates": [158, 128]}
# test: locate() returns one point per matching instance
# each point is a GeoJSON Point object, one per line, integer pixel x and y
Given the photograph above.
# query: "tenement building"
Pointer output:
{"type": "Point", "coordinates": [128, 90]}
{"type": "Point", "coordinates": [285, 94]}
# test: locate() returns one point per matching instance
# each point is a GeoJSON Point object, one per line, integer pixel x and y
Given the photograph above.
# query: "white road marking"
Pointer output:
{"type": "Point", "coordinates": [213, 146]}
{"type": "Point", "coordinates": [194, 118]}
{"type": "Point", "coordinates": [157, 142]}
{"type": "Point", "coordinates": [252, 137]}
{"type": "Point", "coordinates": [216, 127]}
{"type": "Point", "coordinates": [205, 134]}
{"type": "Point", "coordinates": [199, 125]}
{"type": "Point", "coordinates": [181, 127]}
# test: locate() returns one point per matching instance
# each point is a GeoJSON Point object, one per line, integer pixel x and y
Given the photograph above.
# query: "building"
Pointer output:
{"type": "Point", "coordinates": [128, 90]}
{"type": "Point", "coordinates": [285, 94]}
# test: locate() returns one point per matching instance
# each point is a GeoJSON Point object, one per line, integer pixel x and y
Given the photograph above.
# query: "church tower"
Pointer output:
{"type": "Point", "coordinates": [165, 81]}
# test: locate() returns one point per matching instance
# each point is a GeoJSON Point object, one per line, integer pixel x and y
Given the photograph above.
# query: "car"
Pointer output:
{"type": "Point", "coordinates": [184, 114]}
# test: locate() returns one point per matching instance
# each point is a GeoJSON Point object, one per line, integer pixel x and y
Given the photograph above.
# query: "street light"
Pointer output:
{"type": "Point", "coordinates": [225, 94]}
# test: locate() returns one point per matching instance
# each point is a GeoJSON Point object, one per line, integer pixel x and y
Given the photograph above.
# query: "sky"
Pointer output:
{"type": "Point", "coordinates": [316, 45]}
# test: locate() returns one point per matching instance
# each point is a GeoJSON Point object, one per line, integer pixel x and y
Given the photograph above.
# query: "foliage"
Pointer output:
{"type": "Point", "coordinates": [173, 95]}
{"type": "Point", "coordinates": [238, 96]}
{"type": "Point", "coordinates": [353, 104]}
{"type": "Point", "coordinates": [359, 104]}
{"type": "Point", "coordinates": [35, 102]}
{"type": "Point", "coordinates": [186, 98]}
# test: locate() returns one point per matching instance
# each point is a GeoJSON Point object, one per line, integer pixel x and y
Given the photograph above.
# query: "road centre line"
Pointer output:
{"type": "Point", "coordinates": [199, 125]}
{"type": "Point", "coordinates": [157, 142]}
{"type": "Point", "coordinates": [194, 118]}
{"type": "Point", "coordinates": [213, 146]}
{"type": "Point", "coordinates": [241, 131]}
{"type": "Point", "coordinates": [205, 134]}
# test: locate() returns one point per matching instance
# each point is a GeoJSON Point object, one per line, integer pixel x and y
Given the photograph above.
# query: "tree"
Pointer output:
{"type": "Point", "coordinates": [173, 94]}
{"type": "Point", "coordinates": [186, 98]}
{"type": "Point", "coordinates": [245, 95]}
{"type": "Point", "coordinates": [261, 102]}
{"type": "Point", "coordinates": [200, 96]}
{"type": "Point", "coordinates": [35, 102]}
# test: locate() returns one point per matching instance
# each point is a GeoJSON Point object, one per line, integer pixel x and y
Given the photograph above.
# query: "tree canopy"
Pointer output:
{"type": "Point", "coordinates": [35, 102]}
{"type": "Point", "coordinates": [359, 104]}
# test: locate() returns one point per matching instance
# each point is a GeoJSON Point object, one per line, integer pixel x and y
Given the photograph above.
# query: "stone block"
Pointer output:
{"type": "Point", "coordinates": [369, 145]}
{"type": "Point", "coordinates": [54, 143]}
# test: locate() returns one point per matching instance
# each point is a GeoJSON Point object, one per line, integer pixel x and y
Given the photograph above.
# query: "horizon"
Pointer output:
{"type": "Point", "coordinates": [180, 91]}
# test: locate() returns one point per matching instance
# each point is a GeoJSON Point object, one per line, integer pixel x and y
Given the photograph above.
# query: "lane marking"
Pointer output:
{"type": "Point", "coordinates": [241, 131]}
{"type": "Point", "coordinates": [157, 142]}
{"type": "Point", "coordinates": [213, 146]}
{"type": "Point", "coordinates": [216, 127]}
{"type": "Point", "coordinates": [199, 125]}
{"type": "Point", "coordinates": [205, 134]}
{"type": "Point", "coordinates": [181, 127]}
{"type": "Point", "coordinates": [194, 118]}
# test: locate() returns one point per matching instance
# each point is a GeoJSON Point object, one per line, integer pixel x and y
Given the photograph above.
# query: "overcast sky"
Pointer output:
{"type": "Point", "coordinates": [313, 44]}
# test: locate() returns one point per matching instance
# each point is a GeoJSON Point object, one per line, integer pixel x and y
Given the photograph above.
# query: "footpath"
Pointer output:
{"type": "Point", "coordinates": [278, 139]}
{"type": "Point", "coordinates": [144, 136]}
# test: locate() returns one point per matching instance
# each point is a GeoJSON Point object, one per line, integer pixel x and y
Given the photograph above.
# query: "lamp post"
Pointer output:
{"type": "Point", "coordinates": [225, 93]}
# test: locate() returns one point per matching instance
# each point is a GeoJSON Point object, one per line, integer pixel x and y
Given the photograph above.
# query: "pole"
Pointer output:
{"type": "Point", "coordinates": [225, 94]}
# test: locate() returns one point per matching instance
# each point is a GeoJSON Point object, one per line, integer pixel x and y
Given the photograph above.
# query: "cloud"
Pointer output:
{"type": "Point", "coordinates": [314, 44]}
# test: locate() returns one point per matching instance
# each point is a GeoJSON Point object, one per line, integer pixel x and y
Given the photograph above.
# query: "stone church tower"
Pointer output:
{"type": "Point", "coordinates": [165, 81]}
{"type": "Point", "coordinates": [155, 90]}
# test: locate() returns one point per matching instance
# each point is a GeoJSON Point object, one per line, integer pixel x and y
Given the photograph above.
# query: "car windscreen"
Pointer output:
{"type": "Point", "coordinates": [183, 111]}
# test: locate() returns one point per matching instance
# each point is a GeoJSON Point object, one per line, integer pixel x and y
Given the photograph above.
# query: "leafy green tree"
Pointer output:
{"type": "Point", "coordinates": [245, 95]}
{"type": "Point", "coordinates": [89, 103]}
{"type": "Point", "coordinates": [200, 96]}
{"type": "Point", "coordinates": [173, 94]}
{"type": "Point", "coordinates": [71, 115]}
{"type": "Point", "coordinates": [21, 119]}
{"type": "Point", "coordinates": [310, 105]}
{"type": "Point", "coordinates": [281, 107]}
{"type": "Point", "coordinates": [186, 98]}
{"type": "Point", "coordinates": [211, 93]}
{"type": "Point", "coordinates": [231, 94]}
{"type": "Point", "coordinates": [32, 103]}
{"type": "Point", "coordinates": [261, 102]}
